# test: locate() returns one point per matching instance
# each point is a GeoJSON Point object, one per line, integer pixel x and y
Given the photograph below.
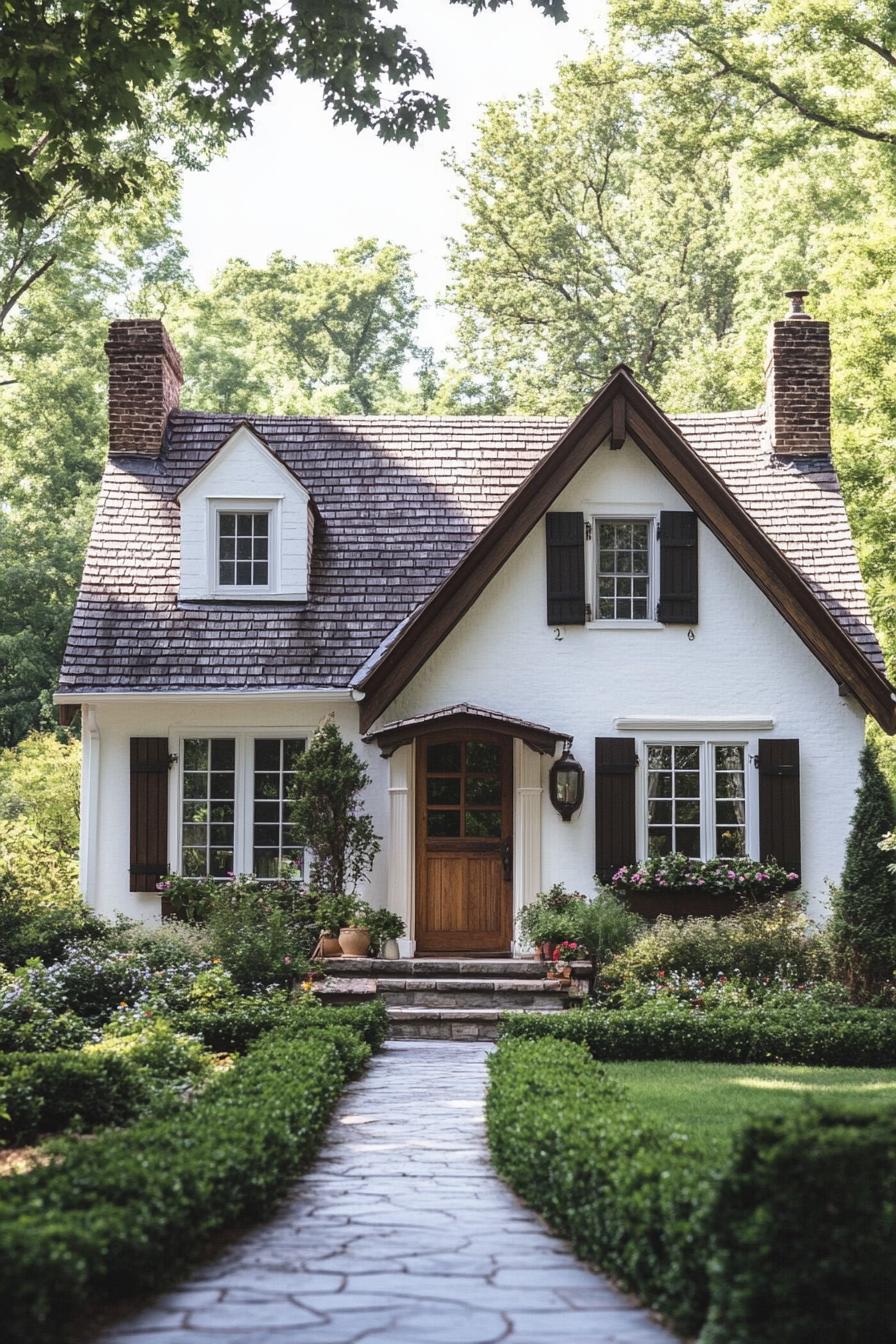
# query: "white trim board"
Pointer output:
{"type": "Point", "coordinates": [333, 693]}
{"type": "Point", "coordinates": [683, 723]}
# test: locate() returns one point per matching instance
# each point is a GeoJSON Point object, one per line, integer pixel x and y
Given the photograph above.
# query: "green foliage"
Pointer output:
{"type": "Point", "coordinates": [40, 783]}
{"type": "Point", "coordinates": [234, 1027]}
{"type": "Point", "coordinates": [808, 1033]}
{"type": "Point", "coordinates": [605, 925]}
{"type": "Point", "coordinates": [193, 74]}
{"type": "Point", "coordinates": [745, 879]}
{"type": "Point", "coordinates": [304, 337]}
{"type": "Point", "coordinates": [46, 1093]}
{"type": "Point", "coordinates": [626, 1193]}
{"type": "Point", "coordinates": [863, 926]}
{"type": "Point", "coordinates": [803, 1231]}
{"type": "Point", "coordinates": [171, 943]}
{"type": "Point", "coordinates": [261, 935]}
{"type": "Point", "coordinates": [163, 1055]}
{"type": "Point", "coordinates": [382, 925]}
{"type": "Point", "coordinates": [768, 1245]}
{"type": "Point", "coordinates": [549, 919]}
{"type": "Point", "coordinates": [39, 1028]}
{"type": "Point", "coordinates": [121, 1213]}
{"type": "Point", "coordinates": [41, 911]}
{"type": "Point", "coordinates": [326, 811]}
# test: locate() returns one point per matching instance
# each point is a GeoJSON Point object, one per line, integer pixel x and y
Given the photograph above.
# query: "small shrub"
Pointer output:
{"type": "Point", "coordinates": [164, 1056]}
{"type": "Point", "coordinates": [261, 931]}
{"type": "Point", "coordinates": [382, 925]}
{"type": "Point", "coordinates": [49, 1092]}
{"type": "Point", "coordinates": [548, 919]}
{"type": "Point", "coordinates": [761, 942]}
{"type": "Point", "coordinates": [234, 1027]}
{"type": "Point", "coordinates": [173, 943]}
{"type": "Point", "coordinates": [863, 923]}
{"type": "Point", "coordinates": [43, 1030]}
{"type": "Point", "coordinates": [758, 1034]}
{"type": "Point", "coordinates": [121, 1214]}
{"type": "Point", "coordinates": [41, 910]}
{"type": "Point", "coordinates": [93, 980]}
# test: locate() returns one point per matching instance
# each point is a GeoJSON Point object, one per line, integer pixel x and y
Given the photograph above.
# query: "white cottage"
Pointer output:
{"type": "Point", "coordinates": [678, 600]}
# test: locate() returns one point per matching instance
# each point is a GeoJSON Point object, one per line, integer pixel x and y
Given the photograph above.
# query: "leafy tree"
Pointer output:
{"type": "Point", "coordinates": [816, 65]}
{"type": "Point", "coordinates": [306, 337]}
{"type": "Point", "coordinates": [40, 784]}
{"type": "Point", "coordinates": [77, 75]}
{"type": "Point", "coordinates": [327, 813]}
{"type": "Point", "coordinates": [863, 926]}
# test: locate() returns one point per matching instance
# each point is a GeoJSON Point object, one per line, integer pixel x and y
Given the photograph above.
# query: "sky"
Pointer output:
{"type": "Point", "coordinates": [303, 186]}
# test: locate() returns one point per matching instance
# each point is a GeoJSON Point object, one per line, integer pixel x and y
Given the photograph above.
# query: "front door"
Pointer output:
{"type": "Point", "coordinates": [464, 897]}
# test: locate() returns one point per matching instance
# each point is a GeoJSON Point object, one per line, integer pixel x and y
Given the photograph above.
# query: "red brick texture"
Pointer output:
{"type": "Point", "coordinates": [798, 387]}
{"type": "Point", "coordinates": [145, 379]}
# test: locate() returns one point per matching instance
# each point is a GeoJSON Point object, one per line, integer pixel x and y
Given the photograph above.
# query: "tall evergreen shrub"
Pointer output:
{"type": "Point", "coordinates": [863, 927]}
{"type": "Point", "coordinates": [328, 815]}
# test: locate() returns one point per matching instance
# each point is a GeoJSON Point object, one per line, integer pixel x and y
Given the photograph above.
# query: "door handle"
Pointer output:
{"type": "Point", "coordinates": [507, 859]}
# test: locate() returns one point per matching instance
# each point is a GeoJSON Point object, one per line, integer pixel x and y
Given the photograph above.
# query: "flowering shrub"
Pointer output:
{"type": "Point", "coordinates": [744, 878]}
{"type": "Point", "coordinates": [704, 993]}
{"type": "Point", "coordinates": [567, 952]}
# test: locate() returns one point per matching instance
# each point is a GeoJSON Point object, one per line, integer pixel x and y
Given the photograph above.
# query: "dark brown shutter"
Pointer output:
{"type": "Point", "coordinates": [678, 568]}
{"type": "Point", "coordinates": [779, 801]}
{"type": "Point", "coordinates": [149, 811]}
{"type": "Point", "coordinates": [615, 763]}
{"type": "Point", "coordinates": [566, 568]}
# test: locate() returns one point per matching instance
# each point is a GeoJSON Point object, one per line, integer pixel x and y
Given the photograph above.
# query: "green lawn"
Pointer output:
{"type": "Point", "coordinates": [710, 1102]}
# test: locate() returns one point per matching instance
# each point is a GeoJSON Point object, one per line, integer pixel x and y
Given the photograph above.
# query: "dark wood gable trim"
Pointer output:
{"type": "Point", "coordinates": [703, 490]}
{"type": "Point", "coordinates": [393, 736]}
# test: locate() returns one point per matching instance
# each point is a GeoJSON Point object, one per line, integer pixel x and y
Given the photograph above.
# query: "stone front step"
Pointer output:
{"type": "Point", "coordinates": [446, 1024]}
{"type": "Point", "coordinates": [540, 995]}
{"type": "Point", "coordinates": [444, 968]}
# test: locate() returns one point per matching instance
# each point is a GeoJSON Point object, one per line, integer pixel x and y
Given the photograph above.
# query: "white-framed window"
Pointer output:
{"type": "Point", "coordinates": [244, 557]}
{"type": "Point", "coordinates": [623, 566]}
{"type": "Point", "coordinates": [244, 547]}
{"type": "Point", "coordinates": [696, 798]}
{"type": "Point", "coordinates": [232, 803]}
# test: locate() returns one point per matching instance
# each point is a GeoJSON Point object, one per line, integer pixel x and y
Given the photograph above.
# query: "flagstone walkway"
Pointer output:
{"type": "Point", "coordinates": [400, 1232]}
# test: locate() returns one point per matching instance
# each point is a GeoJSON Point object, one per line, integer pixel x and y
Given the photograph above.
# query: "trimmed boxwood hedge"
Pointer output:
{"type": "Point", "coordinates": [47, 1093]}
{"type": "Point", "coordinates": [791, 1241]}
{"type": "Point", "coordinates": [810, 1034]}
{"type": "Point", "coordinates": [116, 1214]}
{"type": "Point", "coordinates": [234, 1027]}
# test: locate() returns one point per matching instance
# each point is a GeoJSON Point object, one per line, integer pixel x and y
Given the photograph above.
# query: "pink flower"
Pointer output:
{"type": "Point", "coordinates": [793, 877]}
{"type": "Point", "coordinates": [731, 873]}
{"type": "Point", "coordinates": [287, 961]}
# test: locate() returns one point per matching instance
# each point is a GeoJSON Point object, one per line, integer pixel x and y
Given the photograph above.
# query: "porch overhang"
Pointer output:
{"type": "Point", "coordinates": [460, 718]}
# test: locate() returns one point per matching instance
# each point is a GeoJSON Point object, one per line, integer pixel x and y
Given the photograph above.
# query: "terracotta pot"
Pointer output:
{"type": "Point", "coordinates": [538, 953]}
{"type": "Point", "coordinates": [679, 902]}
{"type": "Point", "coordinates": [354, 942]}
{"type": "Point", "coordinates": [329, 947]}
{"type": "Point", "coordinates": [547, 950]}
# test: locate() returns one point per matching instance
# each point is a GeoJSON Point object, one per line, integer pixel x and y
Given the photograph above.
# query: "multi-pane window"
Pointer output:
{"type": "Point", "coordinates": [274, 839]}
{"type": "Point", "coordinates": [243, 549]}
{"type": "Point", "coordinates": [730, 801]}
{"type": "Point", "coordinates": [673, 800]}
{"type": "Point", "coordinates": [623, 570]}
{"type": "Point", "coordinates": [697, 800]}
{"type": "Point", "coordinates": [464, 790]}
{"type": "Point", "coordinates": [207, 806]}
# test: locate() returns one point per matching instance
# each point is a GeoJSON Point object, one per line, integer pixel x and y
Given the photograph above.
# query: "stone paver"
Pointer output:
{"type": "Point", "coordinates": [400, 1232]}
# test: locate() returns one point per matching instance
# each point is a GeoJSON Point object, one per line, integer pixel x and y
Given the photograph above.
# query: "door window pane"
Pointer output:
{"type": "Point", "coordinates": [207, 806]}
{"type": "Point", "coordinates": [482, 825]}
{"type": "Point", "coordinates": [483, 758]}
{"type": "Point", "coordinates": [274, 842]}
{"type": "Point", "coordinates": [443, 758]}
{"type": "Point", "coordinates": [441, 824]}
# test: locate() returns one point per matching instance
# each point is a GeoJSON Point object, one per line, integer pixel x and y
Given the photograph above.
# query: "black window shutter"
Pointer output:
{"type": "Point", "coordinates": [615, 763]}
{"type": "Point", "coordinates": [678, 568]}
{"type": "Point", "coordinates": [566, 568]}
{"type": "Point", "coordinates": [779, 801]}
{"type": "Point", "coordinates": [149, 812]}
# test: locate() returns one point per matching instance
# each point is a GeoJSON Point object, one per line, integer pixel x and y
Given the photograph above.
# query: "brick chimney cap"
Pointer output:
{"type": "Point", "coordinates": [796, 297]}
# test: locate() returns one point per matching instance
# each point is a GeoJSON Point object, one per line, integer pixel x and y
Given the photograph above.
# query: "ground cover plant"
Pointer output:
{"type": "Point", "coordinates": [762, 1244]}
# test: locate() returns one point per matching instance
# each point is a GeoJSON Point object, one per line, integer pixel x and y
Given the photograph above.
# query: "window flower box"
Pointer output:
{"type": "Point", "coordinates": [678, 886]}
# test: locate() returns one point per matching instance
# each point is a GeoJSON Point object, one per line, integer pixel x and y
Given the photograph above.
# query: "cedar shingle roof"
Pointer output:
{"type": "Point", "coordinates": [401, 500]}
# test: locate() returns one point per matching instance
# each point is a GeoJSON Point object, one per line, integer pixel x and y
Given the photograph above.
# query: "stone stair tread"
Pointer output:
{"type": "Point", "coordinates": [462, 984]}
{"type": "Point", "coordinates": [440, 968]}
{"type": "Point", "coordinates": [414, 1014]}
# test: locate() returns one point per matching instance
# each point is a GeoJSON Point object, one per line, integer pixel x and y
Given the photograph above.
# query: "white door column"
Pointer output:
{"type": "Point", "coordinates": [400, 866]}
{"type": "Point", "coordinates": [527, 791]}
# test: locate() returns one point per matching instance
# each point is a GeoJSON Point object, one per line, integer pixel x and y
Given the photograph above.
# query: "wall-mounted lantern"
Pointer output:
{"type": "Point", "coordinates": [566, 783]}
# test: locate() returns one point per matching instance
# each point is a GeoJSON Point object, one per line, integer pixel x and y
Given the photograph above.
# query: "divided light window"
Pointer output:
{"type": "Point", "coordinates": [623, 569]}
{"type": "Point", "coordinates": [696, 800]}
{"type": "Point", "coordinates": [274, 840]}
{"type": "Point", "coordinates": [243, 549]}
{"type": "Point", "coordinates": [207, 807]}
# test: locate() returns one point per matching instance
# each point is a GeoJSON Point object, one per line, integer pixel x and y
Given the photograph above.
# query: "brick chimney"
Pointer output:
{"type": "Point", "coordinates": [798, 383]}
{"type": "Point", "coordinates": [145, 379]}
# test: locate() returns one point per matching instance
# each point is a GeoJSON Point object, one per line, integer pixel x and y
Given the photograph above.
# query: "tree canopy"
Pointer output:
{"type": "Point", "coordinates": [80, 77]}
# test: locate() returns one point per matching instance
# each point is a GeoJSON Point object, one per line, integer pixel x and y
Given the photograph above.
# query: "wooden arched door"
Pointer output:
{"type": "Point", "coordinates": [464, 890]}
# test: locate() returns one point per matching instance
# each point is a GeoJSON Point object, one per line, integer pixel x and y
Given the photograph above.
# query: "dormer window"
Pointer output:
{"type": "Point", "coordinates": [244, 559]}
{"type": "Point", "coordinates": [246, 527]}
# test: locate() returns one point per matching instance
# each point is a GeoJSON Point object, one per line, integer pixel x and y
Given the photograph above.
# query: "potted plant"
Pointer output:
{"type": "Point", "coordinates": [677, 885]}
{"type": "Point", "coordinates": [565, 954]}
{"type": "Point", "coordinates": [333, 914]}
{"type": "Point", "coordinates": [326, 811]}
{"type": "Point", "coordinates": [385, 927]}
{"type": "Point", "coordinates": [546, 921]}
